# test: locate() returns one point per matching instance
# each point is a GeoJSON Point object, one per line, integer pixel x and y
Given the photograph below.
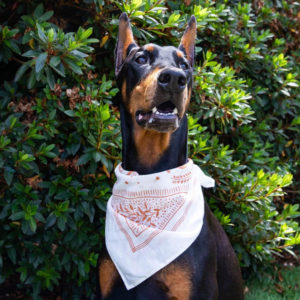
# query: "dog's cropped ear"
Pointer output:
{"type": "Point", "coordinates": [187, 43]}
{"type": "Point", "coordinates": [125, 39]}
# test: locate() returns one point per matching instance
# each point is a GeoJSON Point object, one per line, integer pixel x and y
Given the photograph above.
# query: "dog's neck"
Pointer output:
{"type": "Point", "coordinates": [174, 154]}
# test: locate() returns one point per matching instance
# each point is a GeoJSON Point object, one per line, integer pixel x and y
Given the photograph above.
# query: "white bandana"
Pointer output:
{"type": "Point", "coordinates": [152, 219]}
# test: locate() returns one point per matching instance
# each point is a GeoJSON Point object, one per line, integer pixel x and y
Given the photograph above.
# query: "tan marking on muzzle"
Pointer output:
{"type": "Point", "coordinates": [142, 96]}
{"type": "Point", "coordinates": [150, 144]}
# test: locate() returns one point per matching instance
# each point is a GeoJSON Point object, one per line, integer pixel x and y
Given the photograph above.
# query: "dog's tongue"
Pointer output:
{"type": "Point", "coordinates": [144, 116]}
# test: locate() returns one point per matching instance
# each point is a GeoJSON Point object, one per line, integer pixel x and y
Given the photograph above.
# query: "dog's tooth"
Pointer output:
{"type": "Point", "coordinates": [150, 121]}
{"type": "Point", "coordinates": [154, 109]}
{"type": "Point", "coordinates": [140, 117]}
{"type": "Point", "coordinates": [175, 111]}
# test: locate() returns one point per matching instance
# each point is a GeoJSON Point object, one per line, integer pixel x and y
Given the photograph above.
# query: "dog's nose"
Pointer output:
{"type": "Point", "coordinates": [172, 80]}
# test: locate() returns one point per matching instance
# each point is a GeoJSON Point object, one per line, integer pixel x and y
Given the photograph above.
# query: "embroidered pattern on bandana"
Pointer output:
{"type": "Point", "coordinates": [144, 212]}
{"type": "Point", "coordinates": [150, 208]}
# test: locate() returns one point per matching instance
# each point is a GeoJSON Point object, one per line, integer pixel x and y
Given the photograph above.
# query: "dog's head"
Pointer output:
{"type": "Point", "coordinates": [155, 82]}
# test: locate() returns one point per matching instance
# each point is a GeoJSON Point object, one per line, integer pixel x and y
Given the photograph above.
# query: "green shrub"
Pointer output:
{"type": "Point", "coordinates": [60, 135]}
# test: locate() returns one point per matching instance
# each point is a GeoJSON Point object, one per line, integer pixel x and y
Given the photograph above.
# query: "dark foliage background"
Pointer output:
{"type": "Point", "coordinates": [60, 135]}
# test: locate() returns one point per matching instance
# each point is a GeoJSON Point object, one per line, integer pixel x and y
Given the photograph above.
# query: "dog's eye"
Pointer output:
{"type": "Point", "coordinates": [183, 66]}
{"type": "Point", "coordinates": [141, 60]}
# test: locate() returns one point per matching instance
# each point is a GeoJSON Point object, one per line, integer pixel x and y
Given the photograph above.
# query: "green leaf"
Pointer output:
{"type": "Point", "coordinates": [28, 20]}
{"type": "Point", "coordinates": [81, 268]}
{"type": "Point", "coordinates": [50, 154]}
{"type": "Point", "coordinates": [50, 147]}
{"type": "Point", "coordinates": [296, 121]}
{"type": "Point", "coordinates": [105, 114]}
{"type": "Point", "coordinates": [12, 254]}
{"type": "Point", "coordinates": [83, 159]}
{"type": "Point", "coordinates": [31, 53]}
{"type": "Point", "coordinates": [40, 217]}
{"type": "Point", "coordinates": [26, 38]}
{"type": "Point", "coordinates": [74, 67]}
{"type": "Point", "coordinates": [96, 156]}
{"type": "Point", "coordinates": [8, 175]}
{"type": "Point", "coordinates": [79, 54]}
{"type": "Point", "coordinates": [31, 81]}
{"type": "Point", "coordinates": [86, 33]}
{"type": "Point", "coordinates": [51, 220]}
{"type": "Point", "coordinates": [54, 61]}
{"type": "Point", "coordinates": [46, 16]}
{"type": "Point", "coordinates": [38, 11]}
{"type": "Point", "coordinates": [17, 216]}
{"type": "Point", "coordinates": [40, 62]}
{"type": "Point", "coordinates": [135, 4]}
{"type": "Point", "coordinates": [91, 41]}
{"type": "Point", "coordinates": [21, 71]}
{"type": "Point", "coordinates": [13, 32]}
{"type": "Point", "coordinates": [51, 35]}
{"type": "Point", "coordinates": [105, 161]}
{"type": "Point", "coordinates": [61, 223]}
{"type": "Point", "coordinates": [101, 205]}
{"type": "Point", "coordinates": [32, 224]}
{"type": "Point", "coordinates": [292, 84]}
{"type": "Point", "coordinates": [50, 78]}
{"type": "Point", "coordinates": [59, 70]}
{"type": "Point", "coordinates": [285, 92]}
{"type": "Point", "coordinates": [41, 33]}
{"type": "Point", "coordinates": [12, 45]}
{"type": "Point", "coordinates": [69, 113]}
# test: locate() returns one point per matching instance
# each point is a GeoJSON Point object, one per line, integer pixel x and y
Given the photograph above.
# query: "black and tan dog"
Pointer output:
{"type": "Point", "coordinates": [155, 84]}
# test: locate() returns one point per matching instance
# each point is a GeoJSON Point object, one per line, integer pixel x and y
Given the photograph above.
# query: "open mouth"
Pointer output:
{"type": "Point", "coordinates": [163, 117]}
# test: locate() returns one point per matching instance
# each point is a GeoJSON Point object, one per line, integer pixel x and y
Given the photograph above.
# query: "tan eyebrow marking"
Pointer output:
{"type": "Point", "coordinates": [179, 54]}
{"type": "Point", "coordinates": [149, 48]}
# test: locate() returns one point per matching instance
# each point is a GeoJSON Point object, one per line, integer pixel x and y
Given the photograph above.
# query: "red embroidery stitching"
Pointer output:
{"type": "Point", "coordinates": [140, 216]}
{"type": "Point", "coordinates": [150, 208]}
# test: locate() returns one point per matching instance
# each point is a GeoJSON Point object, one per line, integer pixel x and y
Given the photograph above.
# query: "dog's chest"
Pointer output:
{"type": "Point", "coordinates": [174, 281]}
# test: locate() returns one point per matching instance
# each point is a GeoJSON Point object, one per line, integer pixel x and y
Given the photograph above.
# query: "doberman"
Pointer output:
{"type": "Point", "coordinates": [155, 85]}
